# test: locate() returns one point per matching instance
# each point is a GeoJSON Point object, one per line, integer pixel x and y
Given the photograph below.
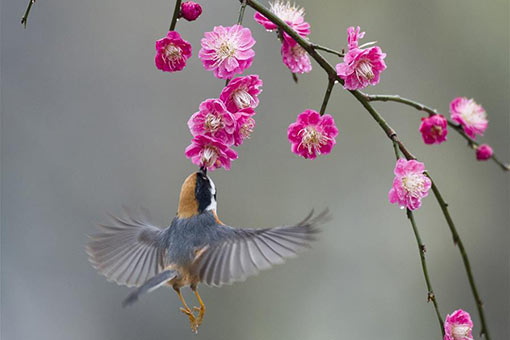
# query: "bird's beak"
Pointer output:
{"type": "Point", "coordinates": [203, 170]}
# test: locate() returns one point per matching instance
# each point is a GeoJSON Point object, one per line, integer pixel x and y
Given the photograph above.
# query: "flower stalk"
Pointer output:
{"type": "Point", "coordinates": [331, 83]}
{"type": "Point", "coordinates": [175, 16]}
{"type": "Point", "coordinates": [24, 19]}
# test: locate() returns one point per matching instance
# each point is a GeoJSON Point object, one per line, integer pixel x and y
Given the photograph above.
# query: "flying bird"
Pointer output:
{"type": "Point", "coordinates": [196, 248]}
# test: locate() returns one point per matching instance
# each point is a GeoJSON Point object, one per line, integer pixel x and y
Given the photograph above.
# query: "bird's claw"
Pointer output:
{"type": "Point", "coordinates": [201, 312]}
{"type": "Point", "coordinates": [192, 319]}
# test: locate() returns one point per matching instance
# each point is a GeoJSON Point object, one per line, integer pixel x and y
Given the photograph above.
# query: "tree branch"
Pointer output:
{"type": "Point", "coordinates": [421, 249]}
{"type": "Point", "coordinates": [24, 19]}
{"type": "Point", "coordinates": [176, 15]}
{"type": "Point", "coordinates": [420, 107]}
{"type": "Point", "coordinates": [327, 49]}
{"type": "Point", "coordinates": [467, 265]}
{"type": "Point", "coordinates": [331, 83]}
{"type": "Point", "coordinates": [390, 132]}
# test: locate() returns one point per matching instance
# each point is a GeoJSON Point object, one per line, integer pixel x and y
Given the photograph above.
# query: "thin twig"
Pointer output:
{"type": "Point", "coordinates": [420, 107]}
{"type": "Point", "coordinates": [241, 12]}
{"type": "Point", "coordinates": [327, 49]}
{"type": "Point", "coordinates": [24, 19]}
{"type": "Point", "coordinates": [421, 249]}
{"type": "Point", "coordinates": [176, 15]}
{"type": "Point", "coordinates": [431, 296]}
{"type": "Point", "coordinates": [331, 83]}
{"type": "Point", "coordinates": [295, 77]}
{"type": "Point", "coordinates": [467, 265]}
{"type": "Point", "coordinates": [390, 132]}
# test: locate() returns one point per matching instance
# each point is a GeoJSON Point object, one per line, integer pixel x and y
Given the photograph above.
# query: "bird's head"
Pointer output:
{"type": "Point", "coordinates": [198, 194]}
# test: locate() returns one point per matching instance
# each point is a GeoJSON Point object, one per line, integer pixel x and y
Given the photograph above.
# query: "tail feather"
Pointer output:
{"type": "Point", "coordinates": [150, 285]}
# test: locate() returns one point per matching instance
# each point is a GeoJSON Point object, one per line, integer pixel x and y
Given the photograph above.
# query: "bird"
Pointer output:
{"type": "Point", "coordinates": [197, 247]}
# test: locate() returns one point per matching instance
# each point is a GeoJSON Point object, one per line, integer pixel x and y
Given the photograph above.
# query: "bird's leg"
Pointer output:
{"type": "Point", "coordinates": [186, 310]}
{"type": "Point", "coordinates": [201, 310]}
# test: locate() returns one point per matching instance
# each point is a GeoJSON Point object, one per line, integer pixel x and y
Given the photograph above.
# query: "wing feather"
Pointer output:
{"type": "Point", "coordinates": [129, 250]}
{"type": "Point", "coordinates": [244, 252]}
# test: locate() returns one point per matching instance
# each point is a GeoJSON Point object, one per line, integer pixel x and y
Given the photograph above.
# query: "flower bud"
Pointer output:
{"type": "Point", "coordinates": [190, 10]}
{"type": "Point", "coordinates": [483, 152]}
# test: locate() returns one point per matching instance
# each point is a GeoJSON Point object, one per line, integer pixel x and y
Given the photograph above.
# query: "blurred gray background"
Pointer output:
{"type": "Point", "coordinates": [89, 124]}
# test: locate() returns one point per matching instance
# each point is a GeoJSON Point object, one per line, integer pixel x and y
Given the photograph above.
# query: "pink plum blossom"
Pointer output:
{"type": "Point", "coordinates": [470, 115]}
{"type": "Point", "coordinates": [295, 57]}
{"type": "Point", "coordinates": [292, 15]}
{"type": "Point", "coordinates": [483, 152]}
{"type": "Point", "coordinates": [458, 326]}
{"type": "Point", "coordinates": [210, 152]}
{"type": "Point", "coordinates": [360, 67]}
{"type": "Point", "coordinates": [312, 134]}
{"type": "Point", "coordinates": [190, 10]}
{"type": "Point", "coordinates": [434, 129]}
{"type": "Point", "coordinates": [245, 124]}
{"type": "Point", "coordinates": [227, 50]}
{"type": "Point", "coordinates": [410, 184]}
{"type": "Point", "coordinates": [242, 92]}
{"type": "Point", "coordinates": [172, 52]}
{"type": "Point", "coordinates": [213, 119]}
{"type": "Point", "coordinates": [353, 35]}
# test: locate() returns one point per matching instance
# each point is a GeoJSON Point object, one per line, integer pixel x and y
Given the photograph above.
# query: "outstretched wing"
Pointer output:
{"type": "Point", "coordinates": [129, 250]}
{"type": "Point", "coordinates": [244, 252]}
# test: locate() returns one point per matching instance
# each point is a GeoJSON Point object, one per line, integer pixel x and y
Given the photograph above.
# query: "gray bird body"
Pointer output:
{"type": "Point", "coordinates": [196, 248]}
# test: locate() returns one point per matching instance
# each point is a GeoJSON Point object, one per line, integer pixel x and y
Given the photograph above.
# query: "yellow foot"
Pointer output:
{"type": "Point", "coordinates": [201, 312]}
{"type": "Point", "coordinates": [192, 320]}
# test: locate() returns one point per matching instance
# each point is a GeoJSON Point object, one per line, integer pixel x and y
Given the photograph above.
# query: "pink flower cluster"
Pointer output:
{"type": "Point", "coordinates": [410, 184]}
{"type": "Point", "coordinates": [293, 55]}
{"type": "Point", "coordinates": [458, 326]}
{"type": "Point", "coordinates": [312, 134]}
{"type": "Point", "coordinates": [361, 66]}
{"type": "Point", "coordinates": [470, 115]}
{"type": "Point", "coordinates": [222, 123]}
{"type": "Point", "coordinates": [227, 51]}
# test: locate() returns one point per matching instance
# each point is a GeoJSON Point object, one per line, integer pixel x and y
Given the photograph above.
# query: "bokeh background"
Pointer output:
{"type": "Point", "coordinates": [89, 124]}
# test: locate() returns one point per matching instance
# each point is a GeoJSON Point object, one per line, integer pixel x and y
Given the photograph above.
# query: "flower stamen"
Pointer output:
{"type": "Point", "coordinates": [312, 139]}
{"type": "Point", "coordinates": [364, 71]}
{"type": "Point", "coordinates": [213, 123]}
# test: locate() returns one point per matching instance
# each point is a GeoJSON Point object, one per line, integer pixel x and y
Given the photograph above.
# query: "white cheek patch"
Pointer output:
{"type": "Point", "coordinates": [212, 206]}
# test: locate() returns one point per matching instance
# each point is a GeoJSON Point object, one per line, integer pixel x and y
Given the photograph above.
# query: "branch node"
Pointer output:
{"type": "Point", "coordinates": [430, 297]}
{"type": "Point", "coordinates": [423, 249]}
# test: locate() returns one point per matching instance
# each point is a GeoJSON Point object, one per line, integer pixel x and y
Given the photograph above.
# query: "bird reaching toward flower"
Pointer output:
{"type": "Point", "coordinates": [196, 248]}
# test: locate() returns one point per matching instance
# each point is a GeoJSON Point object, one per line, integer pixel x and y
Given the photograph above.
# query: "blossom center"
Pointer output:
{"type": "Point", "coordinates": [471, 114]}
{"type": "Point", "coordinates": [436, 131]}
{"type": "Point", "coordinates": [312, 139]}
{"type": "Point", "coordinates": [364, 70]}
{"type": "Point", "coordinates": [243, 99]}
{"type": "Point", "coordinates": [298, 51]}
{"type": "Point", "coordinates": [286, 11]}
{"type": "Point", "coordinates": [226, 50]}
{"type": "Point", "coordinates": [413, 184]}
{"type": "Point", "coordinates": [172, 53]}
{"type": "Point", "coordinates": [213, 123]}
{"type": "Point", "coordinates": [460, 332]}
{"type": "Point", "coordinates": [210, 156]}
{"type": "Point", "coordinates": [247, 128]}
